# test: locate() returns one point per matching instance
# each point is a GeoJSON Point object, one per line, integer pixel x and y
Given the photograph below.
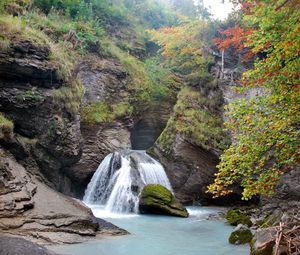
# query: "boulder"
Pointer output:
{"type": "Point", "coordinates": [15, 246]}
{"type": "Point", "coordinates": [263, 242]}
{"type": "Point", "coordinates": [240, 235]}
{"type": "Point", "coordinates": [156, 199]}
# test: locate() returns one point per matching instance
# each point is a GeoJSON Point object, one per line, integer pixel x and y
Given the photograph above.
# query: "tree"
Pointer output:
{"type": "Point", "coordinates": [266, 126]}
{"type": "Point", "coordinates": [183, 48]}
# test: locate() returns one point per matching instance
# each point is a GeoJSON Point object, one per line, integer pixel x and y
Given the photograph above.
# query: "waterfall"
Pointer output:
{"type": "Point", "coordinates": [120, 178]}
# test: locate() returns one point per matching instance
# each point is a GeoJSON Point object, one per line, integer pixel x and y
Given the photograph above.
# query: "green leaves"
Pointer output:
{"type": "Point", "coordinates": [265, 127]}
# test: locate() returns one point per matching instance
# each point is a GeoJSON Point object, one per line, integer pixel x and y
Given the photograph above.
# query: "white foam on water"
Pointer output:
{"type": "Point", "coordinates": [101, 212]}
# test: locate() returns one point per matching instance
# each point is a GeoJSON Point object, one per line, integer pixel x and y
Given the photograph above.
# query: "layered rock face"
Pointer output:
{"type": "Point", "coordinates": [104, 81]}
{"type": "Point", "coordinates": [47, 136]}
{"type": "Point", "coordinates": [35, 159]}
{"type": "Point", "coordinates": [30, 208]}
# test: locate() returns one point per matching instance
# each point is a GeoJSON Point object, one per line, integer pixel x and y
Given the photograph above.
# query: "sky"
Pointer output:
{"type": "Point", "coordinates": [218, 9]}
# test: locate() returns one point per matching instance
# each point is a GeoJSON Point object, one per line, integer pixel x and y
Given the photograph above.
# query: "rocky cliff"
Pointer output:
{"type": "Point", "coordinates": [40, 139]}
{"type": "Point", "coordinates": [194, 138]}
{"type": "Point", "coordinates": [46, 133]}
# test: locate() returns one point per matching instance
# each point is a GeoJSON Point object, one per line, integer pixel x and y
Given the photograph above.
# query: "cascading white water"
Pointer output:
{"type": "Point", "coordinates": [120, 178]}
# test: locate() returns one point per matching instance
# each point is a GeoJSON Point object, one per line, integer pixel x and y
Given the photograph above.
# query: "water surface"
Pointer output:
{"type": "Point", "coordinates": [162, 235]}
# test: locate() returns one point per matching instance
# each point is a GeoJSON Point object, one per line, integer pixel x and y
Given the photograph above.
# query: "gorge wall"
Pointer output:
{"type": "Point", "coordinates": [63, 145]}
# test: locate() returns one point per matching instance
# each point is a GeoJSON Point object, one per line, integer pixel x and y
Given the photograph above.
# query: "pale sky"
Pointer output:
{"type": "Point", "coordinates": [218, 9]}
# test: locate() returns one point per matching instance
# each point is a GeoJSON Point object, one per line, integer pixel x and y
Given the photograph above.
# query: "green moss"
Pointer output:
{"type": "Point", "coordinates": [157, 199]}
{"type": "Point", "coordinates": [151, 152]}
{"type": "Point", "coordinates": [96, 113]}
{"type": "Point", "coordinates": [152, 191]}
{"type": "Point", "coordinates": [121, 109]}
{"type": "Point", "coordinates": [33, 96]}
{"type": "Point", "coordinates": [193, 118]}
{"type": "Point", "coordinates": [166, 139]}
{"type": "Point", "coordinates": [6, 127]}
{"type": "Point", "coordinates": [240, 236]}
{"type": "Point", "coordinates": [235, 216]}
{"type": "Point", "coordinates": [101, 112]}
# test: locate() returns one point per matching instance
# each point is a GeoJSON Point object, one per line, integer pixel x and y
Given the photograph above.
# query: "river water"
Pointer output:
{"type": "Point", "coordinates": [161, 235]}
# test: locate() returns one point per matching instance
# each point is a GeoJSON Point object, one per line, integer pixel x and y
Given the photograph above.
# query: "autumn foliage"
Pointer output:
{"type": "Point", "coordinates": [265, 126]}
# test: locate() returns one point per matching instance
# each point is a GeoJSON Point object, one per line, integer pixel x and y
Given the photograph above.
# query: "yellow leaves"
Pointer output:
{"type": "Point", "coordinates": [182, 40]}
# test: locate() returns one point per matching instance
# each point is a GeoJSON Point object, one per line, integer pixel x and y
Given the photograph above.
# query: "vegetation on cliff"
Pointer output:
{"type": "Point", "coordinates": [6, 127]}
{"type": "Point", "coordinates": [197, 113]}
{"type": "Point", "coordinates": [266, 126]}
{"type": "Point", "coordinates": [75, 29]}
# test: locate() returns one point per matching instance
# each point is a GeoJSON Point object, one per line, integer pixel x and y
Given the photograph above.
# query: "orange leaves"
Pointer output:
{"type": "Point", "coordinates": [234, 37]}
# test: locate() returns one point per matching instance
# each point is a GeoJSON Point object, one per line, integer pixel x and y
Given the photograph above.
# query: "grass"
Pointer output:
{"type": "Point", "coordinates": [13, 29]}
{"type": "Point", "coordinates": [150, 83]}
{"type": "Point", "coordinates": [102, 112]}
{"type": "Point", "coordinates": [56, 26]}
{"type": "Point", "coordinates": [69, 97]}
{"type": "Point", "coordinates": [6, 127]}
{"type": "Point", "coordinates": [61, 58]}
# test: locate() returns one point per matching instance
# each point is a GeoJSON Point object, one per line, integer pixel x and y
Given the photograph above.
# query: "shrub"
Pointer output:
{"type": "Point", "coordinates": [6, 127]}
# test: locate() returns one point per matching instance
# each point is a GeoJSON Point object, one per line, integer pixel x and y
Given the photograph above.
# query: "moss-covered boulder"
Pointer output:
{"type": "Point", "coordinates": [240, 235]}
{"type": "Point", "coordinates": [236, 216]}
{"type": "Point", "coordinates": [156, 199]}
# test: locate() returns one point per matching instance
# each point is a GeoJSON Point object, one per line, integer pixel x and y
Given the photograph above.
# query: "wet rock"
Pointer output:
{"type": "Point", "coordinates": [240, 235]}
{"type": "Point", "coordinates": [15, 246]}
{"type": "Point", "coordinates": [98, 142]}
{"type": "Point", "coordinates": [107, 228]}
{"type": "Point", "coordinates": [156, 199]}
{"type": "Point", "coordinates": [104, 81]}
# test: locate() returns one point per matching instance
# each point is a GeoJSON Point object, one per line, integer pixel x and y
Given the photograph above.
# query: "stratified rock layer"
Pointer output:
{"type": "Point", "coordinates": [31, 209]}
{"type": "Point", "coordinates": [47, 135]}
